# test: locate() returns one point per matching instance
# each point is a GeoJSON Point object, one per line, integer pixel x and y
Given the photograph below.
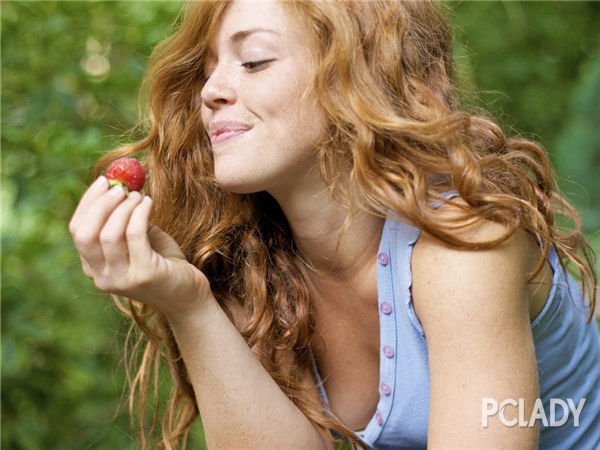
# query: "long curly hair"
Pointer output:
{"type": "Point", "coordinates": [385, 80]}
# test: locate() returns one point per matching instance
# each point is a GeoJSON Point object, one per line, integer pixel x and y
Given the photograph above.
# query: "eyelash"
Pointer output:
{"type": "Point", "coordinates": [253, 65]}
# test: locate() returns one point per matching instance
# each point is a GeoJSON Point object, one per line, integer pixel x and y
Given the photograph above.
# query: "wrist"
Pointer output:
{"type": "Point", "coordinates": [203, 311]}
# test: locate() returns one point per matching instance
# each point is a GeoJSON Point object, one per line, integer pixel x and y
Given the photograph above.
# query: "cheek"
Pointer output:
{"type": "Point", "coordinates": [286, 117]}
{"type": "Point", "coordinates": [204, 117]}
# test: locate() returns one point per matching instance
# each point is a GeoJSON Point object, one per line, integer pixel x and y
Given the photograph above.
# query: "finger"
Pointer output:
{"type": "Point", "coordinates": [140, 250]}
{"type": "Point", "coordinates": [96, 189]}
{"type": "Point", "coordinates": [87, 270]}
{"type": "Point", "coordinates": [86, 238]}
{"type": "Point", "coordinates": [112, 236]}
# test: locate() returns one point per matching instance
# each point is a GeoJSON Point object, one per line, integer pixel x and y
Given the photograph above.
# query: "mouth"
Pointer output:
{"type": "Point", "coordinates": [226, 136]}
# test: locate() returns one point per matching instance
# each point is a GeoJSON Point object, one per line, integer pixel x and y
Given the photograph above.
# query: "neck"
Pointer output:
{"type": "Point", "coordinates": [316, 222]}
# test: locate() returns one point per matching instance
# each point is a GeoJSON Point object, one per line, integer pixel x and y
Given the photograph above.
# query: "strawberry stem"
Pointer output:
{"type": "Point", "coordinates": [112, 183]}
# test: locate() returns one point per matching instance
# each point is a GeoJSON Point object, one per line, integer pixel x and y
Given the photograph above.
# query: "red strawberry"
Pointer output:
{"type": "Point", "coordinates": [128, 172]}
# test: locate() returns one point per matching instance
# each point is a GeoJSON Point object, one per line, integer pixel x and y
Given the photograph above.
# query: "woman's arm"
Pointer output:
{"type": "Point", "coordinates": [474, 310]}
{"type": "Point", "coordinates": [241, 406]}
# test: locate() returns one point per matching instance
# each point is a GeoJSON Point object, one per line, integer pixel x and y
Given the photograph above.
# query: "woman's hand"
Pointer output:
{"type": "Point", "coordinates": [127, 256]}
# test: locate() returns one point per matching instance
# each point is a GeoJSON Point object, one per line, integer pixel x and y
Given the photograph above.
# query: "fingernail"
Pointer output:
{"type": "Point", "coordinates": [147, 199]}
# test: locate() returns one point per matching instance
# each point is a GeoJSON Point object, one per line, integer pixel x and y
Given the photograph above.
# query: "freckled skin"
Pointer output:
{"type": "Point", "coordinates": [274, 155]}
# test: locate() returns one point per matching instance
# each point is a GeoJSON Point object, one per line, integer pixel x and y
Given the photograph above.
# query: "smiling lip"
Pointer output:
{"type": "Point", "coordinates": [225, 136]}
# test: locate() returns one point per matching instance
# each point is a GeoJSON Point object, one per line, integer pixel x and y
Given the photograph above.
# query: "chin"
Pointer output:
{"type": "Point", "coordinates": [236, 189]}
{"type": "Point", "coordinates": [239, 186]}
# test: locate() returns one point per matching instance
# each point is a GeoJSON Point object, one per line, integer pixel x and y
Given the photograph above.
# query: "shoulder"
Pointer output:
{"type": "Point", "coordinates": [469, 280]}
{"type": "Point", "coordinates": [456, 284]}
{"type": "Point", "coordinates": [438, 265]}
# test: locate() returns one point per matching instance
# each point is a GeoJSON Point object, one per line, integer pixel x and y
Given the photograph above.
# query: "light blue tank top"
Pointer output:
{"type": "Point", "coordinates": [567, 352]}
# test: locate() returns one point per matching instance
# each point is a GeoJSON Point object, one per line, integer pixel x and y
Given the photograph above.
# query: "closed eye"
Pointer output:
{"type": "Point", "coordinates": [253, 65]}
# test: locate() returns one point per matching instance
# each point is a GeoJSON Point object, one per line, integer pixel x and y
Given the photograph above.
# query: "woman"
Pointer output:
{"type": "Point", "coordinates": [336, 247]}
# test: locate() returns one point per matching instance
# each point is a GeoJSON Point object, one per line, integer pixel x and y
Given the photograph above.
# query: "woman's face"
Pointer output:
{"type": "Point", "coordinates": [256, 78]}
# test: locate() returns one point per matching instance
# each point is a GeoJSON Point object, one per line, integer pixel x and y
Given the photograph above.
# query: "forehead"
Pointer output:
{"type": "Point", "coordinates": [243, 16]}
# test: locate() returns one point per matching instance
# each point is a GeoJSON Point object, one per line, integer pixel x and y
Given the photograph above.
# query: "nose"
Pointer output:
{"type": "Point", "coordinates": [219, 89]}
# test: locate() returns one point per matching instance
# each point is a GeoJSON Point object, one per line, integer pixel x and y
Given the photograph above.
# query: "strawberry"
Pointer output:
{"type": "Point", "coordinates": [128, 172]}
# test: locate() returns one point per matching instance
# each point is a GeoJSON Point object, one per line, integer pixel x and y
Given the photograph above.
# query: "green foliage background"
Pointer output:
{"type": "Point", "coordinates": [70, 76]}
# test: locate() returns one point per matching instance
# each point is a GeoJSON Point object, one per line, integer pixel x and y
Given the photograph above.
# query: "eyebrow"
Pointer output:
{"type": "Point", "coordinates": [243, 34]}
